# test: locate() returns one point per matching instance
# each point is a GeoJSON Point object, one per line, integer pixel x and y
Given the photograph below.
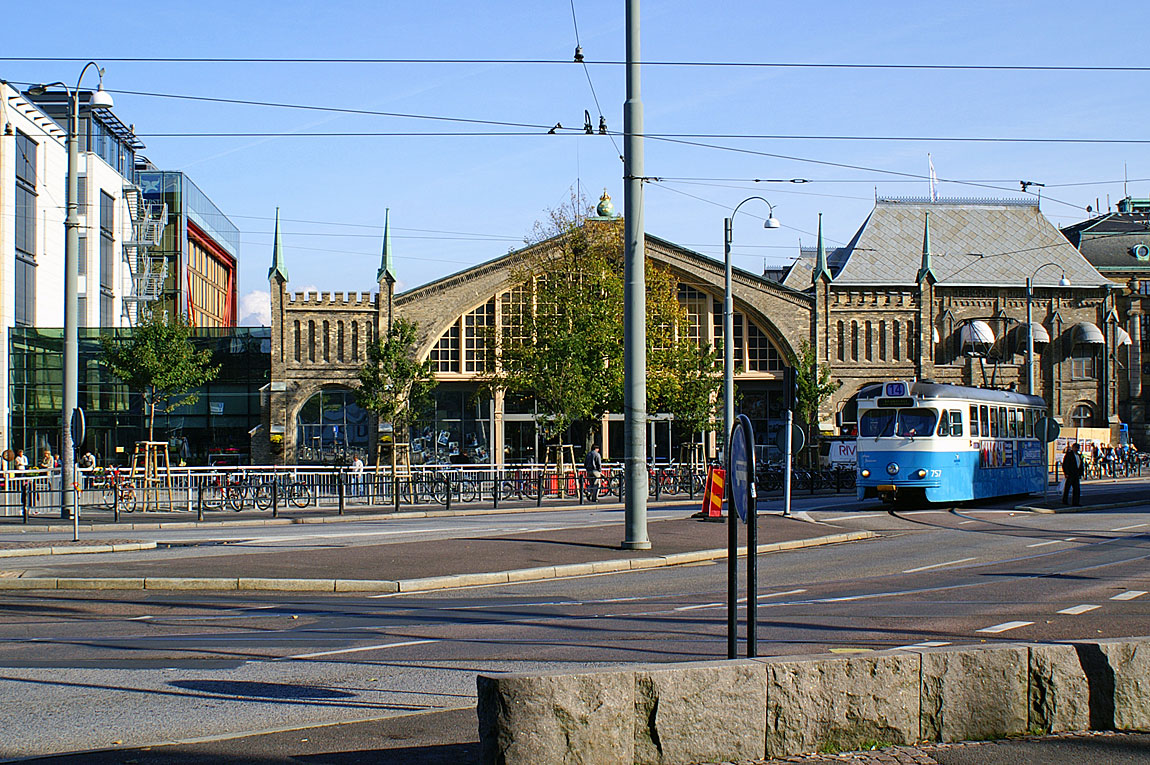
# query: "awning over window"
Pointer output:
{"type": "Point", "coordinates": [1041, 336]}
{"type": "Point", "coordinates": [977, 334]}
{"type": "Point", "coordinates": [1122, 336]}
{"type": "Point", "coordinates": [1088, 334]}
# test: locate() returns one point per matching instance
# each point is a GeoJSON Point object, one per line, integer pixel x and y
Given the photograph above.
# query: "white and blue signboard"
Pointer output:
{"type": "Point", "coordinates": [741, 467]}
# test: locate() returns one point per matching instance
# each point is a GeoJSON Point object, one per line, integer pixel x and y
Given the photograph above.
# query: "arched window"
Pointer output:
{"type": "Point", "coordinates": [842, 342]}
{"type": "Point", "coordinates": [896, 341]}
{"type": "Point", "coordinates": [326, 342]}
{"type": "Point", "coordinates": [298, 342]}
{"type": "Point", "coordinates": [869, 341]}
{"type": "Point", "coordinates": [339, 341]}
{"type": "Point", "coordinates": [1082, 416]}
{"type": "Point", "coordinates": [854, 341]}
{"type": "Point", "coordinates": [331, 427]}
{"type": "Point", "coordinates": [882, 341]}
{"type": "Point", "coordinates": [311, 341]}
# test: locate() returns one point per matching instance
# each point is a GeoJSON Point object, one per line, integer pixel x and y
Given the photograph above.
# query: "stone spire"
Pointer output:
{"type": "Point", "coordinates": [926, 269]}
{"type": "Point", "coordinates": [386, 271]}
{"type": "Point", "coordinates": [820, 269]}
{"type": "Point", "coordinates": [279, 268]}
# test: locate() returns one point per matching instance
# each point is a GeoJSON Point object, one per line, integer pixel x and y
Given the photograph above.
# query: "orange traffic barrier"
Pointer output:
{"type": "Point", "coordinates": [714, 493]}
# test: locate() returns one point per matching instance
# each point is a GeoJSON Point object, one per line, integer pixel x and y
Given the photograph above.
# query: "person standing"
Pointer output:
{"type": "Point", "coordinates": [593, 467]}
{"type": "Point", "coordinates": [357, 476]}
{"type": "Point", "coordinates": [1072, 469]}
{"type": "Point", "coordinates": [21, 461]}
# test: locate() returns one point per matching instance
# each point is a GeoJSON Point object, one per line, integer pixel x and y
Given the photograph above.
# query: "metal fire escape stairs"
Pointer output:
{"type": "Point", "coordinates": [147, 267]}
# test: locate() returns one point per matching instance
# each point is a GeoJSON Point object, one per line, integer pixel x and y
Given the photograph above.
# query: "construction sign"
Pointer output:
{"type": "Point", "coordinates": [714, 493]}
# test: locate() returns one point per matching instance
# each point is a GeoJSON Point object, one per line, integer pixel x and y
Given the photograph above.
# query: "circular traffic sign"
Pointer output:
{"type": "Point", "coordinates": [741, 467]}
{"type": "Point", "coordinates": [798, 439]}
{"type": "Point", "coordinates": [1046, 429]}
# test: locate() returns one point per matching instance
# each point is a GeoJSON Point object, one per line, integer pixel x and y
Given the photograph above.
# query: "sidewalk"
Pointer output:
{"type": "Point", "coordinates": [445, 563]}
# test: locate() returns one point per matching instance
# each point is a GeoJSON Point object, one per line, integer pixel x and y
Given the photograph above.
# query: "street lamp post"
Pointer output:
{"type": "Point", "coordinates": [729, 318]}
{"type": "Point", "coordinates": [1063, 282]}
{"type": "Point", "coordinates": [71, 278]}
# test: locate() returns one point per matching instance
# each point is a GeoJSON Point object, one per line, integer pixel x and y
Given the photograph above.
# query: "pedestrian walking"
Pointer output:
{"type": "Point", "coordinates": [47, 463]}
{"type": "Point", "coordinates": [593, 467]}
{"type": "Point", "coordinates": [1072, 470]}
{"type": "Point", "coordinates": [357, 476]}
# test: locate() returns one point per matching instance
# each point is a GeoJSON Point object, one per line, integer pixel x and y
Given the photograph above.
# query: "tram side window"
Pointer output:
{"type": "Point", "coordinates": [877, 423]}
{"type": "Point", "coordinates": [1011, 423]}
{"type": "Point", "coordinates": [1028, 422]}
{"type": "Point", "coordinates": [984, 417]}
{"type": "Point", "coordinates": [973, 421]}
{"type": "Point", "coordinates": [956, 422]}
{"type": "Point", "coordinates": [944, 423]}
{"type": "Point", "coordinates": [916, 422]}
{"type": "Point", "coordinates": [994, 422]}
{"type": "Point", "coordinates": [1002, 431]}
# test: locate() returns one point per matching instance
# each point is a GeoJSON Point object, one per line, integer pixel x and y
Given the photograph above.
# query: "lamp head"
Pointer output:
{"type": "Point", "coordinates": [1064, 282]}
{"type": "Point", "coordinates": [771, 222]}
{"type": "Point", "coordinates": [100, 99]}
{"type": "Point", "coordinates": [37, 90]}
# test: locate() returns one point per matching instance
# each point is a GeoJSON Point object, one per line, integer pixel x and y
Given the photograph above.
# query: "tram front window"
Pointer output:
{"type": "Point", "coordinates": [877, 423]}
{"type": "Point", "coordinates": [916, 422]}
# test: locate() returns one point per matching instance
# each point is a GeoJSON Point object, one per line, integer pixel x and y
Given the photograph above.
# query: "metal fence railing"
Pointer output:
{"type": "Point", "coordinates": [210, 491]}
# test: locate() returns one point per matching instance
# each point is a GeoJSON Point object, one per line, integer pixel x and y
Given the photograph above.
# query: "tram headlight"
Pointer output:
{"type": "Point", "coordinates": [865, 473]}
{"type": "Point", "coordinates": [892, 468]}
{"type": "Point", "coordinates": [921, 473]}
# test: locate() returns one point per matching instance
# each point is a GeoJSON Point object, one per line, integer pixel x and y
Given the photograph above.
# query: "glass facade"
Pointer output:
{"type": "Point", "coordinates": [227, 408]}
{"type": "Point", "coordinates": [201, 246]}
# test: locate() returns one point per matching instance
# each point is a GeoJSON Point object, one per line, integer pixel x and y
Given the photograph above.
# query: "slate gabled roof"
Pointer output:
{"type": "Point", "coordinates": [973, 243]}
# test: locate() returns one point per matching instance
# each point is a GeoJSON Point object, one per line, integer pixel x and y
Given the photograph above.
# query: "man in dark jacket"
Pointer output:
{"type": "Point", "coordinates": [1072, 470]}
{"type": "Point", "coordinates": [593, 466]}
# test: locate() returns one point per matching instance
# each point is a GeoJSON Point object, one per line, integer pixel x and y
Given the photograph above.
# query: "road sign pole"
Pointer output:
{"type": "Point", "coordinates": [787, 468]}
{"type": "Point", "coordinates": [732, 564]}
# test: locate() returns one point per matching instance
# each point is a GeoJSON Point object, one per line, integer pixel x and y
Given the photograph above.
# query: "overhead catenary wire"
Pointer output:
{"type": "Point", "coordinates": [560, 62]}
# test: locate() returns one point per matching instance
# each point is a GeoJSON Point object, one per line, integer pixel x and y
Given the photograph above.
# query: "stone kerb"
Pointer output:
{"type": "Point", "coordinates": [843, 703]}
{"type": "Point", "coordinates": [971, 694]}
{"type": "Point", "coordinates": [781, 706]}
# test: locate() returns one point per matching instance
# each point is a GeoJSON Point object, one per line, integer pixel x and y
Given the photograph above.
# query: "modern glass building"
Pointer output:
{"type": "Point", "coordinates": [201, 247]}
{"type": "Point", "coordinates": [227, 409]}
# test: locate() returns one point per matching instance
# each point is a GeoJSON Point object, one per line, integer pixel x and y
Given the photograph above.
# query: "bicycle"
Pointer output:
{"type": "Point", "coordinates": [116, 490]}
{"type": "Point", "coordinates": [290, 489]}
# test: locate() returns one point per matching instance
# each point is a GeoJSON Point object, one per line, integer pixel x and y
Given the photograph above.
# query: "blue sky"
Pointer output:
{"type": "Point", "coordinates": [461, 200]}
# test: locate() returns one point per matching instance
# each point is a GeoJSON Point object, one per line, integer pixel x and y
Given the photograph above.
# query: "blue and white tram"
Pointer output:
{"type": "Point", "coordinates": [923, 440]}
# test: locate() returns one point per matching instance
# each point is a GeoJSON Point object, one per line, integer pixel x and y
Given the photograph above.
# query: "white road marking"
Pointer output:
{"type": "Point", "coordinates": [356, 650]}
{"type": "Point", "coordinates": [938, 565]}
{"type": "Point", "coordinates": [741, 600]}
{"type": "Point", "coordinates": [1076, 610]}
{"type": "Point", "coordinates": [1129, 595]}
{"type": "Point", "coordinates": [1127, 528]}
{"type": "Point", "coordinates": [963, 523]}
{"type": "Point", "coordinates": [853, 517]}
{"type": "Point", "coordinates": [925, 644]}
{"type": "Point", "coordinates": [1043, 544]}
{"type": "Point", "coordinates": [1004, 627]}
{"type": "Point", "coordinates": [701, 605]}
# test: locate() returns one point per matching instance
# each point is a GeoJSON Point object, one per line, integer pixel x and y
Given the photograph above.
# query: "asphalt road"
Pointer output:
{"type": "Point", "coordinates": [81, 671]}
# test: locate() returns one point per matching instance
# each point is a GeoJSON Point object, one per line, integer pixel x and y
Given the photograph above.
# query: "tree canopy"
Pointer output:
{"type": "Point", "coordinates": [157, 358]}
{"type": "Point", "coordinates": [562, 337]}
{"type": "Point", "coordinates": [815, 387]}
{"type": "Point", "coordinates": [393, 384]}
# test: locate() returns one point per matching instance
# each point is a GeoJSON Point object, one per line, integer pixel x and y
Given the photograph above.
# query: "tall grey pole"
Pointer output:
{"type": "Point", "coordinates": [634, 301]}
{"type": "Point", "coordinates": [1030, 335]}
{"type": "Point", "coordinates": [71, 290]}
{"type": "Point", "coordinates": [728, 339]}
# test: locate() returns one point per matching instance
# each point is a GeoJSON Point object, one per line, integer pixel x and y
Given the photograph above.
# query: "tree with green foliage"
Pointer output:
{"type": "Point", "coordinates": [157, 358]}
{"type": "Point", "coordinates": [815, 387]}
{"type": "Point", "coordinates": [562, 341]}
{"type": "Point", "coordinates": [393, 384]}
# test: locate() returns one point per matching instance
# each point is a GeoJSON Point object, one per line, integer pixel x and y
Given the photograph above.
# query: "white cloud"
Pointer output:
{"type": "Point", "coordinates": [256, 309]}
